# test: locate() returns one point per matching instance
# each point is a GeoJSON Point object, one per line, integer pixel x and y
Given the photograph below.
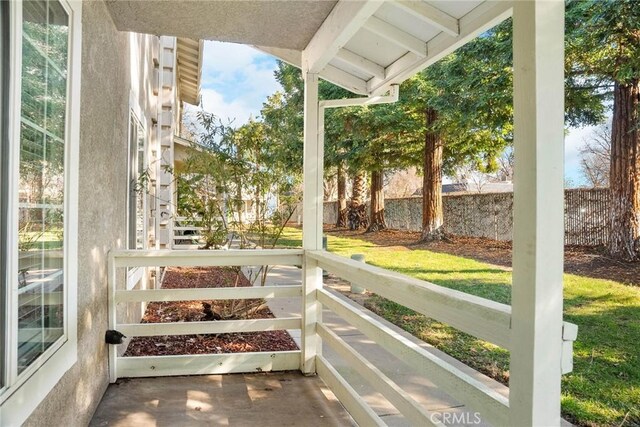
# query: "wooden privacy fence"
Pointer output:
{"type": "Point", "coordinates": [586, 217]}
{"type": "Point", "coordinates": [490, 215]}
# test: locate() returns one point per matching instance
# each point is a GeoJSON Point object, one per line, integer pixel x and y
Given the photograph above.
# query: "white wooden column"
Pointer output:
{"type": "Point", "coordinates": [538, 234]}
{"type": "Point", "coordinates": [311, 222]}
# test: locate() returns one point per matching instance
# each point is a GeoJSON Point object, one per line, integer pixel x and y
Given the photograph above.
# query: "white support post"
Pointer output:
{"type": "Point", "coordinates": [312, 222]}
{"type": "Point", "coordinates": [538, 236]}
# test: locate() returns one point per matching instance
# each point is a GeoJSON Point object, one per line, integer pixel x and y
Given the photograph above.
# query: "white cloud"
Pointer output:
{"type": "Point", "coordinates": [236, 80]}
{"type": "Point", "coordinates": [214, 102]}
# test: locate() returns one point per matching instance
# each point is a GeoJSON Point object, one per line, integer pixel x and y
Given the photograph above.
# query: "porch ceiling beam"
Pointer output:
{"type": "Point", "coordinates": [396, 36]}
{"type": "Point", "coordinates": [344, 21]}
{"type": "Point", "coordinates": [344, 79]}
{"type": "Point", "coordinates": [479, 20]}
{"type": "Point", "coordinates": [431, 15]}
{"type": "Point", "coordinates": [361, 63]}
{"type": "Point", "coordinates": [330, 73]}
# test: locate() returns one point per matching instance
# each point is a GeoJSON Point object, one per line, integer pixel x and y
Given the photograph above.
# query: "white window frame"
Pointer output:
{"type": "Point", "coordinates": [137, 275]}
{"type": "Point", "coordinates": [136, 114]}
{"type": "Point", "coordinates": [22, 393]}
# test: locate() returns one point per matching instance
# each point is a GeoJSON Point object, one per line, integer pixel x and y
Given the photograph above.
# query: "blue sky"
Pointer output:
{"type": "Point", "coordinates": [237, 79]}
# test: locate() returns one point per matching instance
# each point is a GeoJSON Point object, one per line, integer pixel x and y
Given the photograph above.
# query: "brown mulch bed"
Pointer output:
{"type": "Point", "coordinates": [579, 260]}
{"type": "Point", "coordinates": [192, 311]}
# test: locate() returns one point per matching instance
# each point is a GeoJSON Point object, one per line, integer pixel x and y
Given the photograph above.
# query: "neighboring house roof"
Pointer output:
{"type": "Point", "coordinates": [364, 46]}
{"type": "Point", "coordinates": [489, 187]}
{"type": "Point", "coordinates": [189, 58]}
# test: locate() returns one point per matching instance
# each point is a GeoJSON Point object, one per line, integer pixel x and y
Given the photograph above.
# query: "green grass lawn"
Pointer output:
{"type": "Point", "coordinates": [604, 387]}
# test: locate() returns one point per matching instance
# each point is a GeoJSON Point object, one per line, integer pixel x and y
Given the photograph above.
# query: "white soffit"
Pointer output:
{"type": "Point", "coordinates": [362, 45]}
{"type": "Point", "coordinates": [189, 58]}
{"type": "Point", "coordinates": [398, 40]}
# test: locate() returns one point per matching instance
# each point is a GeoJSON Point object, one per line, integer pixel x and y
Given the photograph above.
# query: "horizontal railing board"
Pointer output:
{"type": "Point", "coordinates": [245, 292]}
{"type": "Point", "coordinates": [185, 247]}
{"type": "Point", "coordinates": [206, 258]}
{"type": "Point", "coordinates": [460, 385]}
{"type": "Point", "coordinates": [187, 218]}
{"type": "Point", "coordinates": [212, 327]}
{"type": "Point", "coordinates": [483, 318]}
{"type": "Point", "coordinates": [207, 364]}
{"type": "Point", "coordinates": [399, 398]}
{"type": "Point", "coordinates": [359, 410]}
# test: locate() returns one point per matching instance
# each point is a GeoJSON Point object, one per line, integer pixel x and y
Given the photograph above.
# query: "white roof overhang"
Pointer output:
{"type": "Point", "coordinates": [189, 59]}
{"type": "Point", "coordinates": [364, 46]}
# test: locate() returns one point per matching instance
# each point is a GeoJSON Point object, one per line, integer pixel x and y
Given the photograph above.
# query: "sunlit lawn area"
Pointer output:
{"type": "Point", "coordinates": [604, 387]}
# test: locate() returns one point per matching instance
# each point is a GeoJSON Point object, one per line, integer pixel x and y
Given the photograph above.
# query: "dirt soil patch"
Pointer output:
{"type": "Point", "coordinates": [579, 260]}
{"type": "Point", "coordinates": [194, 311]}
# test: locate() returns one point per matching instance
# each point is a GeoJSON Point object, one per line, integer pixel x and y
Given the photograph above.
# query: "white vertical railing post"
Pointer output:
{"type": "Point", "coordinates": [311, 223]}
{"type": "Point", "coordinates": [538, 236]}
{"type": "Point", "coordinates": [113, 316]}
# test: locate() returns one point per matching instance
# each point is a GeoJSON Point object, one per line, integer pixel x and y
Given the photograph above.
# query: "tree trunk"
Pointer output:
{"type": "Point", "coordinates": [432, 217]}
{"type": "Point", "coordinates": [342, 198]}
{"type": "Point", "coordinates": [357, 214]}
{"type": "Point", "coordinates": [377, 202]}
{"type": "Point", "coordinates": [357, 195]}
{"type": "Point", "coordinates": [625, 172]}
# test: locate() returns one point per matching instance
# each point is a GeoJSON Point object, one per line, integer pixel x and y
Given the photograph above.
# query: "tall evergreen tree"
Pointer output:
{"type": "Point", "coordinates": [603, 53]}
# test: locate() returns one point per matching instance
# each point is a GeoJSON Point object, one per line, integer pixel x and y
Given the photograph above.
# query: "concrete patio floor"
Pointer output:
{"type": "Point", "coordinates": [265, 399]}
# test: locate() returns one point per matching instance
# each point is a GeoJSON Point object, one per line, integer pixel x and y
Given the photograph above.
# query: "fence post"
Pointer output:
{"type": "Point", "coordinates": [355, 288]}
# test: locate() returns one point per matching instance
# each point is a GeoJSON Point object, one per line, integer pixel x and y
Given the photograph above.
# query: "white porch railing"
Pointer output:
{"type": "Point", "coordinates": [187, 234]}
{"type": "Point", "coordinates": [147, 366]}
{"type": "Point", "coordinates": [477, 316]}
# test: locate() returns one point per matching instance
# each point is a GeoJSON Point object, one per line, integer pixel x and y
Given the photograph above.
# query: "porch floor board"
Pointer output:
{"type": "Point", "coordinates": [262, 399]}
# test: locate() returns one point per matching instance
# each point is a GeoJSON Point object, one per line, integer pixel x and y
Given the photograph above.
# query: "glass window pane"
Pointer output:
{"type": "Point", "coordinates": [41, 184]}
{"type": "Point", "coordinates": [140, 237]}
{"type": "Point", "coordinates": [138, 183]}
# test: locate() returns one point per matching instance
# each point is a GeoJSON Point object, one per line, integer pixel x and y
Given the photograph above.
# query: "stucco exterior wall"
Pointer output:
{"type": "Point", "coordinates": [102, 213]}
